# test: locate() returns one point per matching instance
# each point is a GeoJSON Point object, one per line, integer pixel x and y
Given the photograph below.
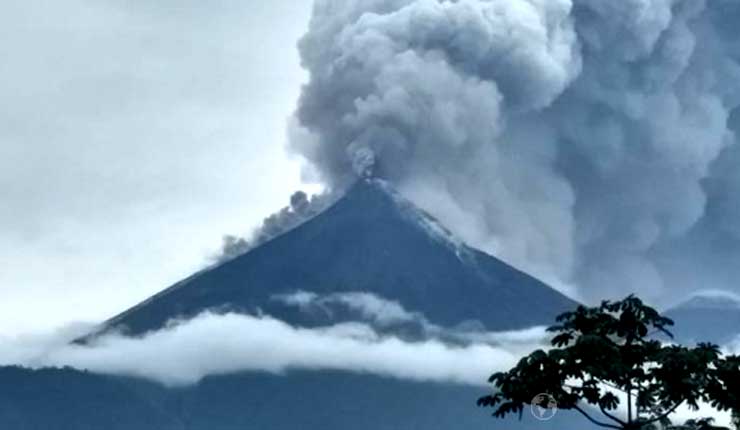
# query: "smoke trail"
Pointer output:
{"type": "Point", "coordinates": [589, 140]}
{"type": "Point", "coordinates": [302, 208]}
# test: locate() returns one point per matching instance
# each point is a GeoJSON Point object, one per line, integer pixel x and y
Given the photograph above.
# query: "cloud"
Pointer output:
{"type": "Point", "coordinates": [682, 414]}
{"type": "Point", "coordinates": [590, 142]}
{"type": "Point", "coordinates": [185, 351]}
{"type": "Point", "coordinates": [132, 134]}
{"type": "Point", "coordinates": [211, 344]}
{"type": "Point", "coordinates": [370, 307]}
{"type": "Point", "coordinates": [734, 346]}
{"type": "Point", "coordinates": [366, 341]}
{"type": "Point", "coordinates": [390, 316]}
{"type": "Point", "coordinates": [725, 297]}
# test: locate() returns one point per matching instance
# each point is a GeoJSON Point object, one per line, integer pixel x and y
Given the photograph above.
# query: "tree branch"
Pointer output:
{"type": "Point", "coordinates": [610, 385]}
{"type": "Point", "coordinates": [612, 417]}
{"type": "Point", "coordinates": [661, 417]}
{"type": "Point", "coordinates": [598, 423]}
{"type": "Point", "coordinates": [629, 401]}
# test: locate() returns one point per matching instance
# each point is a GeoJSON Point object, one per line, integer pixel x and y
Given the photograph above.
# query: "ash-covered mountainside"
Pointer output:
{"type": "Point", "coordinates": [370, 240]}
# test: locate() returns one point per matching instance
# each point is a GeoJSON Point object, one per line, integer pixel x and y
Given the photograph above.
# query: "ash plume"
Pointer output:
{"type": "Point", "coordinates": [590, 142]}
{"type": "Point", "coordinates": [301, 209]}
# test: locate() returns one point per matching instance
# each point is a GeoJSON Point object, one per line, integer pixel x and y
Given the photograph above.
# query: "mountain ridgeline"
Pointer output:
{"type": "Point", "coordinates": [706, 318]}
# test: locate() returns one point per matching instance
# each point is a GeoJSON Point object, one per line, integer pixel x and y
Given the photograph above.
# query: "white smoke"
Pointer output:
{"type": "Point", "coordinates": [590, 141]}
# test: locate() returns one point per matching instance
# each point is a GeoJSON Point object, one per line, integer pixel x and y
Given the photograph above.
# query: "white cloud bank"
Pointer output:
{"type": "Point", "coordinates": [384, 313]}
{"type": "Point", "coordinates": [186, 351]}
{"type": "Point", "coordinates": [211, 344]}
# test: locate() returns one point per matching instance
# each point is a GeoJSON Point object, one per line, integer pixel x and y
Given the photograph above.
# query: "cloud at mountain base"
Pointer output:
{"type": "Point", "coordinates": [186, 351]}
{"type": "Point", "coordinates": [215, 344]}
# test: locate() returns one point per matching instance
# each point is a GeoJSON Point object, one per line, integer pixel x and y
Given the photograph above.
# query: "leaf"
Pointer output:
{"type": "Point", "coordinates": [610, 344]}
{"type": "Point", "coordinates": [562, 339]}
{"type": "Point", "coordinates": [609, 401]}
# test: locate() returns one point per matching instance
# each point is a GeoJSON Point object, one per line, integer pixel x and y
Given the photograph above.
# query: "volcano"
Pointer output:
{"type": "Point", "coordinates": [706, 317]}
{"type": "Point", "coordinates": [371, 240]}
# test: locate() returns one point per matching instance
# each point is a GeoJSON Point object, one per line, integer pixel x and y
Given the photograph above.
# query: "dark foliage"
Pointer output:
{"type": "Point", "coordinates": [600, 351]}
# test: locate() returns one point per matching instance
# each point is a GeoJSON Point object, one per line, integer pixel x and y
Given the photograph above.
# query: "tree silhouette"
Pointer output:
{"type": "Point", "coordinates": [608, 355]}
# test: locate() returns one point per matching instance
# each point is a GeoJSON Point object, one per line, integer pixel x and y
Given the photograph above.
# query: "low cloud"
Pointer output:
{"type": "Point", "coordinates": [389, 314]}
{"type": "Point", "coordinates": [186, 351]}
{"type": "Point", "coordinates": [366, 340]}
{"type": "Point", "coordinates": [682, 414]}
{"type": "Point", "coordinates": [211, 344]}
{"type": "Point", "coordinates": [733, 347]}
{"type": "Point", "coordinates": [368, 306]}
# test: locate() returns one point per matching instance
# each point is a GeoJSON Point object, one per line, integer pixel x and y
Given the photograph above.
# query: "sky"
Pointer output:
{"type": "Point", "coordinates": [133, 136]}
{"type": "Point", "coordinates": [591, 143]}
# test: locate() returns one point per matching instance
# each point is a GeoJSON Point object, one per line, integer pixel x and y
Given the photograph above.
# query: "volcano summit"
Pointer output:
{"type": "Point", "coordinates": [371, 240]}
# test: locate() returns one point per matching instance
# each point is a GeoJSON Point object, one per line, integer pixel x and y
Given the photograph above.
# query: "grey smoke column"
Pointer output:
{"type": "Point", "coordinates": [302, 208]}
{"type": "Point", "coordinates": [588, 141]}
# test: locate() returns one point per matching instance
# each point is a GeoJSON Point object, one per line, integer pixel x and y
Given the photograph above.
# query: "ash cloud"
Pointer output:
{"type": "Point", "coordinates": [301, 209]}
{"type": "Point", "coordinates": [588, 141]}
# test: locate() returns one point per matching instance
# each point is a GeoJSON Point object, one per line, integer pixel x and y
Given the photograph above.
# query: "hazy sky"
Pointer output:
{"type": "Point", "coordinates": [133, 135]}
{"type": "Point", "coordinates": [593, 143]}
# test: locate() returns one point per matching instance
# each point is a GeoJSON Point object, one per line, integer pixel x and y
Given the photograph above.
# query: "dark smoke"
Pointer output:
{"type": "Point", "coordinates": [591, 142]}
